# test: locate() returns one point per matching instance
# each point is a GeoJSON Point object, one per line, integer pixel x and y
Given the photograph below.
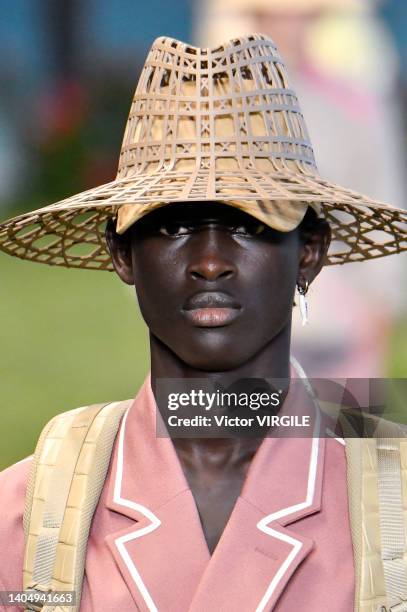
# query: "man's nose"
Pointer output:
{"type": "Point", "coordinates": [209, 258]}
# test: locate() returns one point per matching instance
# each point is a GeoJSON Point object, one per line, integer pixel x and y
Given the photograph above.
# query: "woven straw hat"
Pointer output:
{"type": "Point", "coordinates": [205, 125]}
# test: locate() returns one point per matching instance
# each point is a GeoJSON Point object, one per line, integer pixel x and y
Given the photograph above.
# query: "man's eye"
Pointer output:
{"type": "Point", "coordinates": [174, 229]}
{"type": "Point", "coordinates": [250, 229]}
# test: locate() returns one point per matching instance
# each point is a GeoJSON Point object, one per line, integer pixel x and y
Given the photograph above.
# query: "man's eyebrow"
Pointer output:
{"type": "Point", "coordinates": [193, 220]}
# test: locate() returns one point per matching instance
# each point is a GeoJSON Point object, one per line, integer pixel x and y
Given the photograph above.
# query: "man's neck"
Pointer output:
{"type": "Point", "coordinates": [272, 361]}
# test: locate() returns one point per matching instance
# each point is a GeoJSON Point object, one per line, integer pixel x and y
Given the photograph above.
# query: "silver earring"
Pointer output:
{"type": "Point", "coordinates": [303, 302]}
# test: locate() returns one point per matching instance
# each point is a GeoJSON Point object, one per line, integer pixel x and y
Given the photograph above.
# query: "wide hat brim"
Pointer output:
{"type": "Point", "coordinates": [70, 233]}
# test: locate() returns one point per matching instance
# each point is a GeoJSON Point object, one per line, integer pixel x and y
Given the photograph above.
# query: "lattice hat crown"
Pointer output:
{"type": "Point", "coordinates": [214, 116]}
{"type": "Point", "coordinates": [206, 105]}
{"type": "Point", "coordinates": [210, 125]}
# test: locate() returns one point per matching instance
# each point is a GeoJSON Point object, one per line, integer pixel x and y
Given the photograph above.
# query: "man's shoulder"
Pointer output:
{"type": "Point", "coordinates": [13, 479]}
{"type": "Point", "coordinates": [13, 484]}
{"type": "Point", "coordinates": [16, 475]}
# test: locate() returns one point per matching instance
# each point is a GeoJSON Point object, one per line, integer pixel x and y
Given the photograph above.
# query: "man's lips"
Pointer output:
{"type": "Point", "coordinates": [211, 309]}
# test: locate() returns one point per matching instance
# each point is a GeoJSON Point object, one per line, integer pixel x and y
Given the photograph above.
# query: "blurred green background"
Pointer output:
{"type": "Point", "coordinates": [68, 338]}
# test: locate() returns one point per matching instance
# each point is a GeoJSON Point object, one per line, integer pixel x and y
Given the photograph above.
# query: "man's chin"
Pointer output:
{"type": "Point", "coordinates": [214, 359]}
{"type": "Point", "coordinates": [209, 349]}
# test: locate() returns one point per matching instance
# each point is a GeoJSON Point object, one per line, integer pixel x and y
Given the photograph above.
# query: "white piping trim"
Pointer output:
{"type": "Point", "coordinates": [312, 472]}
{"type": "Point", "coordinates": [120, 542]}
{"type": "Point", "coordinates": [262, 525]}
{"type": "Point", "coordinates": [297, 545]}
{"type": "Point", "coordinates": [333, 435]}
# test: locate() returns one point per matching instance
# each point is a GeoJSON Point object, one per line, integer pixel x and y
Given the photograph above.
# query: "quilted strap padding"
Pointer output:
{"type": "Point", "coordinates": [67, 476]}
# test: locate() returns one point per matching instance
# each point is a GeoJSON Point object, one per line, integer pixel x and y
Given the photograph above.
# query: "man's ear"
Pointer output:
{"type": "Point", "coordinates": [315, 245]}
{"type": "Point", "coordinates": [120, 250]}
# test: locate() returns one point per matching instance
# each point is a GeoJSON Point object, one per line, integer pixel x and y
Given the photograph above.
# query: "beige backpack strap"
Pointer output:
{"type": "Point", "coordinates": [392, 521]}
{"type": "Point", "coordinates": [376, 490]}
{"type": "Point", "coordinates": [354, 461]}
{"type": "Point", "coordinates": [67, 476]}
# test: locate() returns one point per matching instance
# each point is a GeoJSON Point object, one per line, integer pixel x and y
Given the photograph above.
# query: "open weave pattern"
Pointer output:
{"type": "Point", "coordinates": [75, 237]}
{"type": "Point", "coordinates": [208, 125]}
{"type": "Point", "coordinates": [205, 105]}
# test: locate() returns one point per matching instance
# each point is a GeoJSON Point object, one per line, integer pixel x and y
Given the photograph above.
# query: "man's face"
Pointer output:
{"type": "Point", "coordinates": [214, 284]}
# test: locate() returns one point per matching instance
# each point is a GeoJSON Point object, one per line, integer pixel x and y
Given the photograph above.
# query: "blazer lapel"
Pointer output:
{"type": "Point", "coordinates": [162, 553]}
{"type": "Point", "coordinates": [260, 550]}
{"type": "Point", "coordinates": [162, 563]}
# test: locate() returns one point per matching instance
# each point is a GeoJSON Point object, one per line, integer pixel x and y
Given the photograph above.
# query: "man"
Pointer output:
{"type": "Point", "coordinates": [215, 219]}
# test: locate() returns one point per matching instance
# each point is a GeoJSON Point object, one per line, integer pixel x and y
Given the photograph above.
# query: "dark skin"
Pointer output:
{"type": "Point", "coordinates": [216, 289]}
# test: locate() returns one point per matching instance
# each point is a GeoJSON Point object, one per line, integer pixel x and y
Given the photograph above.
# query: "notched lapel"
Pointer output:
{"type": "Point", "coordinates": [251, 565]}
{"type": "Point", "coordinates": [258, 553]}
{"type": "Point", "coordinates": [163, 563]}
{"type": "Point", "coordinates": [162, 553]}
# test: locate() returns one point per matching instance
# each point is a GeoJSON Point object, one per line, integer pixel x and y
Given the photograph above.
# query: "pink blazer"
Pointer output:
{"type": "Point", "coordinates": [286, 546]}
